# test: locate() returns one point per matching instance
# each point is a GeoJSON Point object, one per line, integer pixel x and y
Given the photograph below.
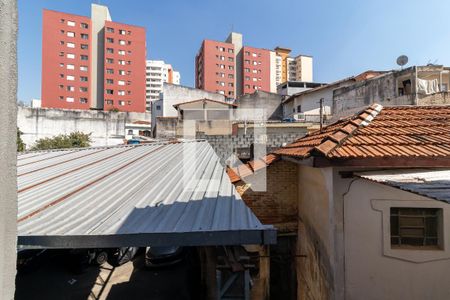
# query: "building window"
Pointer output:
{"type": "Point", "coordinates": [70, 67]}
{"type": "Point", "coordinates": [62, 21]}
{"type": "Point", "coordinates": [110, 40]}
{"type": "Point", "coordinates": [121, 62]}
{"type": "Point", "coordinates": [230, 50]}
{"type": "Point", "coordinates": [83, 68]}
{"type": "Point", "coordinates": [70, 34]}
{"type": "Point", "coordinates": [109, 29]}
{"type": "Point", "coordinates": [247, 53]}
{"type": "Point", "coordinates": [121, 52]}
{"type": "Point", "coordinates": [299, 108]}
{"type": "Point", "coordinates": [110, 60]}
{"type": "Point", "coordinates": [61, 42]}
{"type": "Point", "coordinates": [70, 99]}
{"type": "Point", "coordinates": [83, 89]}
{"type": "Point", "coordinates": [230, 59]}
{"type": "Point", "coordinates": [230, 68]}
{"type": "Point", "coordinates": [61, 86]}
{"type": "Point", "coordinates": [122, 32]}
{"type": "Point", "coordinates": [61, 97]}
{"type": "Point", "coordinates": [61, 53]}
{"type": "Point", "coordinates": [70, 77]}
{"type": "Point", "coordinates": [84, 36]}
{"type": "Point", "coordinates": [121, 102]}
{"type": "Point", "coordinates": [109, 71]}
{"type": "Point", "coordinates": [71, 23]}
{"type": "Point", "coordinates": [110, 92]}
{"type": "Point", "coordinates": [122, 42]}
{"type": "Point", "coordinates": [84, 46]}
{"type": "Point", "coordinates": [61, 75]}
{"type": "Point", "coordinates": [83, 57]}
{"type": "Point", "coordinates": [84, 78]}
{"type": "Point", "coordinates": [415, 227]}
{"type": "Point", "coordinates": [158, 107]}
{"type": "Point", "coordinates": [122, 72]}
{"type": "Point", "coordinates": [70, 45]}
{"type": "Point", "coordinates": [110, 50]}
{"type": "Point", "coordinates": [121, 93]}
{"type": "Point", "coordinates": [84, 25]}
{"type": "Point", "coordinates": [130, 131]}
{"type": "Point", "coordinates": [83, 100]}
{"type": "Point", "coordinates": [109, 102]}
{"type": "Point", "coordinates": [70, 55]}
{"type": "Point", "coordinates": [109, 81]}
{"type": "Point", "coordinates": [70, 88]}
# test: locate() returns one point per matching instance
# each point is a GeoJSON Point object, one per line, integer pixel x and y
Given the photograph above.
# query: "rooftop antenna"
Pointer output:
{"type": "Point", "coordinates": [402, 60]}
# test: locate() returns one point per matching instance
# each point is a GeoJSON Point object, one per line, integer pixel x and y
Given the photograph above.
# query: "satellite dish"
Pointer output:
{"type": "Point", "coordinates": [402, 60]}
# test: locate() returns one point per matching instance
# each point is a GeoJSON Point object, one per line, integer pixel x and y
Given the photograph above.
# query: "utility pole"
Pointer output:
{"type": "Point", "coordinates": [321, 113]}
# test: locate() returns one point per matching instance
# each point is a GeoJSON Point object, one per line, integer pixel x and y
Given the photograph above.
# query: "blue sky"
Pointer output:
{"type": "Point", "coordinates": [345, 37]}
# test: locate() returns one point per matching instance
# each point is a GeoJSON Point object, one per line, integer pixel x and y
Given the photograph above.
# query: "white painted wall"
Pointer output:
{"type": "Point", "coordinates": [372, 269]}
{"type": "Point", "coordinates": [106, 128]}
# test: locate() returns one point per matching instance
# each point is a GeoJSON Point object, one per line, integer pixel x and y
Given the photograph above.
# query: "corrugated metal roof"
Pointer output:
{"type": "Point", "coordinates": [432, 183]}
{"type": "Point", "coordinates": [132, 195]}
{"type": "Point", "coordinates": [380, 132]}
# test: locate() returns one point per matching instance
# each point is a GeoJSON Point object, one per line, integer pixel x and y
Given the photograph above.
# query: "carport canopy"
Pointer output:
{"type": "Point", "coordinates": [156, 194]}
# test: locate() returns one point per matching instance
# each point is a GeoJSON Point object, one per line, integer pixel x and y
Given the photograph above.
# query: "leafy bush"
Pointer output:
{"type": "Point", "coordinates": [73, 140]}
{"type": "Point", "coordinates": [20, 143]}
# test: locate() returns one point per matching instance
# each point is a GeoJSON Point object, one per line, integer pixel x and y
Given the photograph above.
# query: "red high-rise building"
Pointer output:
{"type": "Point", "coordinates": [233, 69]}
{"type": "Point", "coordinates": [216, 68]}
{"type": "Point", "coordinates": [92, 63]}
{"type": "Point", "coordinates": [255, 70]}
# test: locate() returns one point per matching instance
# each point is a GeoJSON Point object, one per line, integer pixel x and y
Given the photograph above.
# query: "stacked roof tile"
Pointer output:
{"type": "Point", "coordinates": [380, 132]}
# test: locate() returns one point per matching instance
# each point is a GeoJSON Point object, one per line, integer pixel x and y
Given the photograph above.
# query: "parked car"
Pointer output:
{"type": "Point", "coordinates": [163, 256]}
{"type": "Point", "coordinates": [120, 256]}
{"type": "Point", "coordinates": [289, 120]}
{"type": "Point", "coordinates": [28, 259]}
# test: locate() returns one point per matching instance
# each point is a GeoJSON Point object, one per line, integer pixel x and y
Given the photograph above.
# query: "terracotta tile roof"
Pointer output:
{"type": "Point", "coordinates": [377, 132]}
{"type": "Point", "coordinates": [249, 168]}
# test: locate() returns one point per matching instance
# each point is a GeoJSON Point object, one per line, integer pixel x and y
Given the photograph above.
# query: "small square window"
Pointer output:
{"type": "Point", "coordinates": [84, 25]}
{"type": "Point", "coordinates": [84, 46]}
{"type": "Point", "coordinates": [415, 227]}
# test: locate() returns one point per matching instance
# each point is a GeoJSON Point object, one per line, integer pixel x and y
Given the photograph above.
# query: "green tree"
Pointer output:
{"type": "Point", "coordinates": [73, 140]}
{"type": "Point", "coordinates": [20, 143]}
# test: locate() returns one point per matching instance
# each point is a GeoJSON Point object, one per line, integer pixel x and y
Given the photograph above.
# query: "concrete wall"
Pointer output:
{"type": "Point", "coordinates": [375, 271]}
{"type": "Point", "coordinates": [106, 128]}
{"type": "Point", "coordinates": [239, 144]}
{"type": "Point", "coordinates": [8, 175]}
{"type": "Point", "coordinates": [315, 267]}
{"type": "Point", "coordinates": [270, 102]}
{"type": "Point", "coordinates": [384, 90]}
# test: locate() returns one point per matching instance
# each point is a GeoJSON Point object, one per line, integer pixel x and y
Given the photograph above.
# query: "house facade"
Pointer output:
{"type": "Point", "coordinates": [362, 233]}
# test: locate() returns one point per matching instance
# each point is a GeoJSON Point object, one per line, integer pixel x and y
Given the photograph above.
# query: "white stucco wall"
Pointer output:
{"type": "Point", "coordinates": [174, 94]}
{"type": "Point", "coordinates": [106, 128]}
{"type": "Point", "coordinates": [372, 269]}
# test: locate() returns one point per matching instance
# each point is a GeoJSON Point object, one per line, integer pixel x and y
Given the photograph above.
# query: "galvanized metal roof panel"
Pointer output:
{"type": "Point", "coordinates": [432, 183]}
{"type": "Point", "coordinates": [143, 192]}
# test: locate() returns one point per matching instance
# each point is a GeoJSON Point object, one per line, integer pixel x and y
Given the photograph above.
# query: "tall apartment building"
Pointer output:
{"type": "Point", "coordinates": [298, 68]}
{"type": "Point", "coordinates": [232, 69]}
{"type": "Point", "coordinates": [157, 73]}
{"type": "Point", "coordinates": [92, 63]}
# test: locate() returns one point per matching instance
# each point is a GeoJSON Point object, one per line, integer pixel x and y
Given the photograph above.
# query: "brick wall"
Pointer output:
{"type": "Point", "coordinates": [277, 206]}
